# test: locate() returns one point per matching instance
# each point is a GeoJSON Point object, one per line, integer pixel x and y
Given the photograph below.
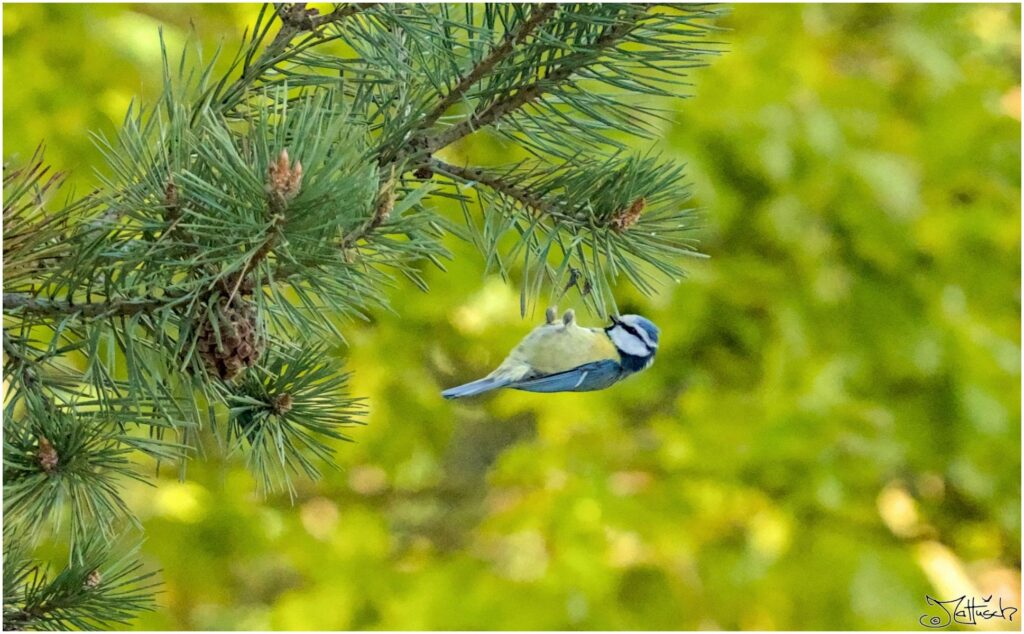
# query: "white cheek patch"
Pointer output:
{"type": "Point", "coordinates": [629, 343]}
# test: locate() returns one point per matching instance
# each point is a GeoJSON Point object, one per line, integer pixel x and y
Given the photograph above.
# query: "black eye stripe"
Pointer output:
{"type": "Point", "coordinates": [633, 333]}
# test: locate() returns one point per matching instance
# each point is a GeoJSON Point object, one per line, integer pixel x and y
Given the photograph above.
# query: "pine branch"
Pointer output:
{"type": "Point", "coordinates": [296, 405]}
{"type": "Point", "coordinates": [35, 237]}
{"type": "Point", "coordinates": [24, 368]}
{"type": "Point", "coordinates": [23, 303]}
{"type": "Point", "coordinates": [94, 592]}
{"type": "Point", "coordinates": [283, 183]}
{"type": "Point", "coordinates": [381, 213]}
{"type": "Point", "coordinates": [295, 19]}
{"type": "Point", "coordinates": [29, 377]}
{"type": "Point", "coordinates": [568, 65]}
{"type": "Point", "coordinates": [498, 184]}
{"type": "Point", "coordinates": [337, 15]}
{"type": "Point", "coordinates": [512, 39]}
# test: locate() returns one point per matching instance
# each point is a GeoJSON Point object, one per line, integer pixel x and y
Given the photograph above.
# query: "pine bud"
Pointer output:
{"type": "Point", "coordinates": [424, 173]}
{"type": "Point", "coordinates": [172, 208]}
{"type": "Point", "coordinates": [626, 218]}
{"type": "Point", "coordinates": [93, 580]}
{"type": "Point", "coordinates": [283, 178]}
{"type": "Point", "coordinates": [47, 455]}
{"type": "Point", "coordinates": [283, 404]}
{"type": "Point", "coordinates": [171, 195]}
{"type": "Point", "coordinates": [385, 203]}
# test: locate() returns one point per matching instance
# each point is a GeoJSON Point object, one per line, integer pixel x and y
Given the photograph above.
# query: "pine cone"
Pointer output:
{"type": "Point", "coordinates": [241, 342]}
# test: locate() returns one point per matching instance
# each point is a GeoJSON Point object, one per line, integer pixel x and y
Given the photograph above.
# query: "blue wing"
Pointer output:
{"type": "Point", "coordinates": [585, 378]}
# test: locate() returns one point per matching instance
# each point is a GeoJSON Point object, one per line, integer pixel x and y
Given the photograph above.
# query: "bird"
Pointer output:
{"type": "Point", "coordinates": [562, 356]}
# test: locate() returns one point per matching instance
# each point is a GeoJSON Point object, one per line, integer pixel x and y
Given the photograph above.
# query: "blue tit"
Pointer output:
{"type": "Point", "coordinates": [562, 356]}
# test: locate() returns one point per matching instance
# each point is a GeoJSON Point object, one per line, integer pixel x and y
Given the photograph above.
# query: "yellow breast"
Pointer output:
{"type": "Point", "coordinates": [553, 348]}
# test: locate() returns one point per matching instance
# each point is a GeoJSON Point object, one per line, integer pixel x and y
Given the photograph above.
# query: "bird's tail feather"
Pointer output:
{"type": "Point", "coordinates": [479, 386]}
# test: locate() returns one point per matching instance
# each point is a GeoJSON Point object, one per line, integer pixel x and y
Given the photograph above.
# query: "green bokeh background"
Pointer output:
{"type": "Point", "coordinates": [832, 427]}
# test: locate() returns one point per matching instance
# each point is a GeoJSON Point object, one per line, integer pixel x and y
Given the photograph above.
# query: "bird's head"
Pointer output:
{"type": "Point", "coordinates": [636, 339]}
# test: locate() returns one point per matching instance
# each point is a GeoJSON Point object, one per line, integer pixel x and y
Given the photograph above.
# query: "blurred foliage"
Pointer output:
{"type": "Point", "coordinates": [830, 432]}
